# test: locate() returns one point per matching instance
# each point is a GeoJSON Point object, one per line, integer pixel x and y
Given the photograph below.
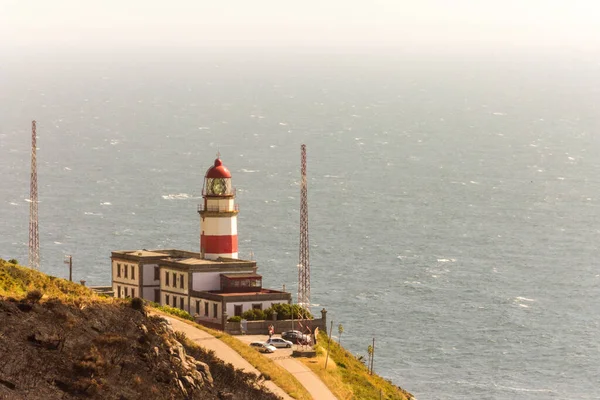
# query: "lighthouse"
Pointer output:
{"type": "Point", "coordinates": [218, 214]}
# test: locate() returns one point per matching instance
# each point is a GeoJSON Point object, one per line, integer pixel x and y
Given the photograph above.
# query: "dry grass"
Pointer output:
{"type": "Point", "coordinates": [348, 378]}
{"type": "Point", "coordinates": [279, 375]}
{"type": "Point", "coordinates": [17, 281]}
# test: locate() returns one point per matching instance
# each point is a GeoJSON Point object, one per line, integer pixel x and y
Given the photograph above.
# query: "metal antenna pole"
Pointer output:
{"type": "Point", "coordinates": [34, 235]}
{"type": "Point", "coordinates": [303, 264]}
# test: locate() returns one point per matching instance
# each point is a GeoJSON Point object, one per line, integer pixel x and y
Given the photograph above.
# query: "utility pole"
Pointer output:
{"type": "Point", "coordinates": [328, 343]}
{"type": "Point", "coordinates": [372, 356]}
{"type": "Point", "coordinates": [69, 260]}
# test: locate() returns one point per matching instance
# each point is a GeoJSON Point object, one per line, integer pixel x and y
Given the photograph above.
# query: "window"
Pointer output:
{"type": "Point", "coordinates": [166, 278]}
{"type": "Point", "coordinates": [156, 273]}
{"type": "Point", "coordinates": [157, 295]}
{"type": "Point", "coordinates": [181, 281]}
{"type": "Point", "coordinates": [132, 292]}
{"type": "Point", "coordinates": [126, 291]}
{"type": "Point", "coordinates": [237, 310]}
{"type": "Point", "coordinates": [119, 291]}
{"type": "Point", "coordinates": [181, 303]}
{"type": "Point", "coordinates": [174, 279]}
{"type": "Point", "coordinates": [126, 270]}
{"type": "Point", "coordinates": [118, 270]}
{"type": "Point", "coordinates": [132, 272]}
{"type": "Point", "coordinates": [257, 306]}
{"type": "Point", "coordinates": [206, 308]}
{"type": "Point", "coordinates": [215, 309]}
{"type": "Point", "coordinates": [198, 307]}
{"type": "Point", "coordinates": [166, 299]}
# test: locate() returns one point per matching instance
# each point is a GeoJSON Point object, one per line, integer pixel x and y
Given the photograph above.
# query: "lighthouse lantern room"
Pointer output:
{"type": "Point", "coordinates": [218, 214]}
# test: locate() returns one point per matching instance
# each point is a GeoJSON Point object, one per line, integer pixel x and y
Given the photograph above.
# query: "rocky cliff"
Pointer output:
{"type": "Point", "coordinates": [83, 346]}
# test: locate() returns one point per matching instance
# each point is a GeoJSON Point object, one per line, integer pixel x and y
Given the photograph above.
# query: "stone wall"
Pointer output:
{"type": "Point", "coordinates": [262, 327]}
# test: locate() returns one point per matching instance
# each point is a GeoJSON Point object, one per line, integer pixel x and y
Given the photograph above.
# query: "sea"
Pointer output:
{"type": "Point", "coordinates": [454, 197]}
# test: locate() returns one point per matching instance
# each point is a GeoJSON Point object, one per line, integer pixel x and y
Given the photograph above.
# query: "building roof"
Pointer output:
{"type": "Point", "coordinates": [193, 261]}
{"type": "Point", "coordinates": [263, 295]}
{"type": "Point", "coordinates": [142, 253]}
{"type": "Point", "coordinates": [242, 276]}
{"type": "Point", "coordinates": [184, 260]}
{"type": "Point", "coordinates": [218, 170]}
{"type": "Point", "coordinates": [250, 294]}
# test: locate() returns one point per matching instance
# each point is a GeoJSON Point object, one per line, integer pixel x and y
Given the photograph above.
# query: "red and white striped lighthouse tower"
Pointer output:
{"type": "Point", "coordinates": [218, 214]}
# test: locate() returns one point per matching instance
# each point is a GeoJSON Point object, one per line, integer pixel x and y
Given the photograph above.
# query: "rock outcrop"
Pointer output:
{"type": "Point", "coordinates": [106, 350]}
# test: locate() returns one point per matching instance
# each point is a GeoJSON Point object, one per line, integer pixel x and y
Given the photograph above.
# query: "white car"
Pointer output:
{"type": "Point", "coordinates": [279, 342]}
{"type": "Point", "coordinates": [263, 347]}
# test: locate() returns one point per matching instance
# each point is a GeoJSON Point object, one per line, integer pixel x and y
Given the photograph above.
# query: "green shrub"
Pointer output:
{"type": "Point", "coordinates": [13, 261]}
{"type": "Point", "coordinates": [34, 296]}
{"type": "Point", "coordinates": [176, 311]}
{"type": "Point", "coordinates": [254, 315]}
{"type": "Point", "coordinates": [235, 318]}
{"type": "Point", "coordinates": [137, 304]}
{"type": "Point", "coordinates": [284, 311]}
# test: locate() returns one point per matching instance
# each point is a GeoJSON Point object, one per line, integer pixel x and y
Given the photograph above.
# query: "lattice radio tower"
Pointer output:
{"type": "Point", "coordinates": [303, 264]}
{"type": "Point", "coordinates": [34, 236]}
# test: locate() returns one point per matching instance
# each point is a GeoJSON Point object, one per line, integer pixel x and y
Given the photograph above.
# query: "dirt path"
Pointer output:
{"type": "Point", "coordinates": [222, 351]}
{"type": "Point", "coordinates": [313, 384]}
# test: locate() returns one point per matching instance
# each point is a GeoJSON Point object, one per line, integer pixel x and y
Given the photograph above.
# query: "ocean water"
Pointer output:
{"type": "Point", "coordinates": [454, 199]}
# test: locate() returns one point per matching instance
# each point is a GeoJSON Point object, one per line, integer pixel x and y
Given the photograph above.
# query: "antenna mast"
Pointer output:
{"type": "Point", "coordinates": [34, 236]}
{"type": "Point", "coordinates": [303, 264]}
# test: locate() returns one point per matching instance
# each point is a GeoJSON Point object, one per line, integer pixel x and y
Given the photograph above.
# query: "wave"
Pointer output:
{"type": "Point", "coordinates": [517, 389]}
{"type": "Point", "coordinates": [445, 260]}
{"type": "Point", "coordinates": [249, 170]}
{"type": "Point", "coordinates": [106, 203]}
{"type": "Point", "coordinates": [523, 299]}
{"type": "Point", "coordinates": [91, 213]}
{"type": "Point", "coordinates": [177, 196]}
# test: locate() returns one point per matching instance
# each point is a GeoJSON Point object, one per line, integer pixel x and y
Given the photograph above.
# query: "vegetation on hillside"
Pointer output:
{"type": "Point", "coordinates": [16, 281]}
{"type": "Point", "coordinates": [347, 377]}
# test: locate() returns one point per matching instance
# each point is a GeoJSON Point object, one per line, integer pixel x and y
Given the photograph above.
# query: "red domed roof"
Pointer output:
{"type": "Point", "coordinates": [218, 170]}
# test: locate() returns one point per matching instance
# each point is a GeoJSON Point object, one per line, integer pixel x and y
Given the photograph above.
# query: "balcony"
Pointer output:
{"type": "Point", "coordinates": [217, 209]}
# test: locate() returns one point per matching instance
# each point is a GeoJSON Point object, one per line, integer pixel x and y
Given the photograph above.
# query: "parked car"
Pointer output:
{"type": "Point", "coordinates": [279, 342]}
{"type": "Point", "coordinates": [263, 347]}
{"type": "Point", "coordinates": [295, 337]}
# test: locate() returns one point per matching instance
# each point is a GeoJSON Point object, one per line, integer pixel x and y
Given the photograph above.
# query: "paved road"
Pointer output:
{"type": "Point", "coordinates": [307, 378]}
{"type": "Point", "coordinates": [223, 351]}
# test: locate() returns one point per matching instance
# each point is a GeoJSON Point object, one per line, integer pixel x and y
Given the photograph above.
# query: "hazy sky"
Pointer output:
{"type": "Point", "coordinates": [300, 22]}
